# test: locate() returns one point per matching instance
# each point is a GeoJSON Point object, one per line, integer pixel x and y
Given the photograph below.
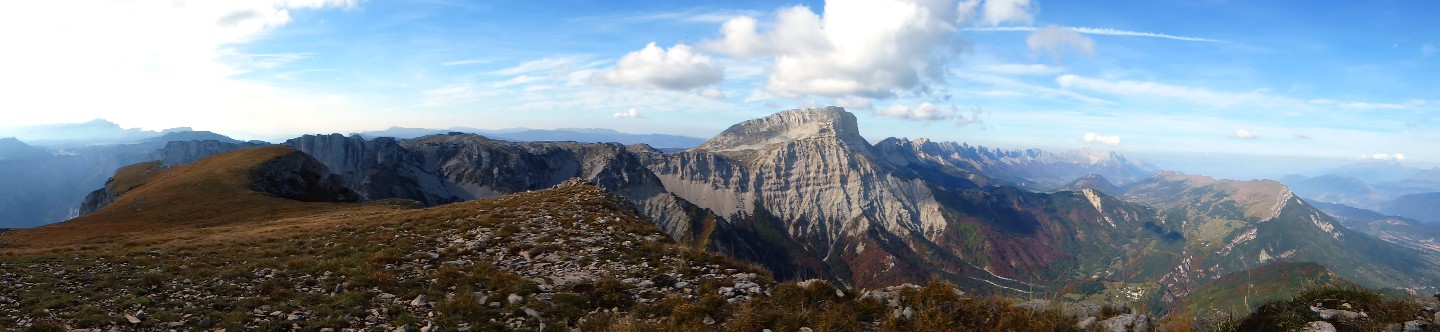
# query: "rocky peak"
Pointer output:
{"type": "Point", "coordinates": [784, 127]}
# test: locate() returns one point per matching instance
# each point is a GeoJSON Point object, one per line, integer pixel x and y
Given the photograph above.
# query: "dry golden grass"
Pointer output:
{"type": "Point", "coordinates": [204, 201]}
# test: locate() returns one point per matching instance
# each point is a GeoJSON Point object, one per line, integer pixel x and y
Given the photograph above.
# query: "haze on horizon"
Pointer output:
{"type": "Point", "coordinates": [1177, 80]}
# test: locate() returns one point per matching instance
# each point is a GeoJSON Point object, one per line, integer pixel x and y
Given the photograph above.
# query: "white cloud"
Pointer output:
{"type": "Point", "coordinates": [997, 12]}
{"type": "Point", "coordinates": [712, 93]}
{"type": "Point", "coordinates": [1154, 89]}
{"type": "Point", "coordinates": [1056, 41]}
{"type": "Point", "coordinates": [555, 66]}
{"type": "Point", "coordinates": [676, 68]}
{"type": "Point", "coordinates": [156, 62]}
{"type": "Point", "coordinates": [1021, 69]}
{"type": "Point", "coordinates": [975, 116]}
{"type": "Point", "coordinates": [1428, 49]}
{"type": "Point", "coordinates": [1244, 134]}
{"type": "Point", "coordinates": [1383, 156]}
{"type": "Point", "coordinates": [856, 103]}
{"type": "Point", "coordinates": [924, 112]}
{"type": "Point", "coordinates": [1092, 137]}
{"type": "Point", "coordinates": [1030, 89]}
{"type": "Point", "coordinates": [630, 114]}
{"type": "Point", "coordinates": [1367, 105]}
{"type": "Point", "coordinates": [867, 48]}
{"type": "Point", "coordinates": [466, 62]}
{"type": "Point", "coordinates": [1105, 32]}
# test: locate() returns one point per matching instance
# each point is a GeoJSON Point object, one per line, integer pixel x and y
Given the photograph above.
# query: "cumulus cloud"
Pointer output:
{"type": "Point", "coordinates": [1383, 156]}
{"type": "Point", "coordinates": [998, 12]}
{"type": "Point", "coordinates": [630, 114]}
{"type": "Point", "coordinates": [1244, 134]}
{"type": "Point", "coordinates": [924, 112]}
{"type": "Point", "coordinates": [1092, 137]}
{"type": "Point", "coordinates": [865, 48]}
{"type": "Point", "coordinates": [1055, 41]}
{"type": "Point", "coordinates": [859, 103]}
{"type": "Point", "coordinates": [676, 68]}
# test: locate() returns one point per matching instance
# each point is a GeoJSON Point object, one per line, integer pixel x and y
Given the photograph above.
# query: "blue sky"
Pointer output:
{"type": "Point", "coordinates": [1325, 81]}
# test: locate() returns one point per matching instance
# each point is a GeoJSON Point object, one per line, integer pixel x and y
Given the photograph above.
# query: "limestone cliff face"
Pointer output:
{"type": "Point", "coordinates": [441, 169]}
{"type": "Point", "coordinates": [378, 168]}
{"type": "Point", "coordinates": [807, 167]}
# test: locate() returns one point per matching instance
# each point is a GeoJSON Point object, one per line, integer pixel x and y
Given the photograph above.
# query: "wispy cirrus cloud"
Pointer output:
{"type": "Point", "coordinates": [1156, 89]}
{"type": "Point", "coordinates": [1102, 32]}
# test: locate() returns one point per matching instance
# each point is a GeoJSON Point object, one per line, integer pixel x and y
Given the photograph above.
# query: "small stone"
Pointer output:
{"type": "Point", "coordinates": [1085, 323]}
{"type": "Point", "coordinates": [420, 300]}
{"type": "Point", "coordinates": [531, 312]}
{"type": "Point", "coordinates": [806, 329]}
{"type": "Point", "coordinates": [132, 319]}
{"type": "Point", "coordinates": [514, 298]}
{"type": "Point", "coordinates": [1416, 326]}
{"type": "Point", "coordinates": [709, 320]}
{"type": "Point", "coordinates": [1318, 326]}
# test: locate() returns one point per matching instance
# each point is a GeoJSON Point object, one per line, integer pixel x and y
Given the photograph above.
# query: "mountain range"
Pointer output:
{"type": "Point", "coordinates": [803, 195]}
{"type": "Point", "coordinates": [1378, 186]}
{"type": "Point", "coordinates": [582, 135]}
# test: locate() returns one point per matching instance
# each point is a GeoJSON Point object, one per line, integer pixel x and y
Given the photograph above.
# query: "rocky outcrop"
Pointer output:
{"type": "Point", "coordinates": [96, 200]}
{"type": "Point", "coordinates": [299, 177]}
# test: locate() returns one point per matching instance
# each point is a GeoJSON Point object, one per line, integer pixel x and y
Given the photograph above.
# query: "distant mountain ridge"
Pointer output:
{"type": "Point", "coordinates": [48, 184]}
{"type": "Point", "coordinates": [581, 135]}
{"type": "Point", "coordinates": [93, 132]}
{"type": "Point", "coordinates": [1424, 207]}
